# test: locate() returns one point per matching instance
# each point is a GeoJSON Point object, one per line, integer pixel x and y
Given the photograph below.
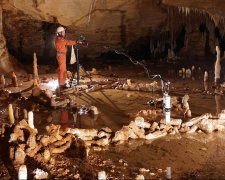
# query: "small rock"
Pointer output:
{"type": "Point", "coordinates": [101, 175]}
{"type": "Point", "coordinates": [144, 170]}
{"type": "Point", "coordinates": [120, 161]}
{"type": "Point", "coordinates": [140, 177]}
{"type": "Point", "coordinates": [94, 110]}
{"type": "Point", "coordinates": [160, 170]}
{"type": "Point", "coordinates": [203, 149]}
{"type": "Point", "coordinates": [77, 176]}
{"type": "Point", "coordinates": [40, 174]}
{"type": "Point", "coordinates": [125, 164]}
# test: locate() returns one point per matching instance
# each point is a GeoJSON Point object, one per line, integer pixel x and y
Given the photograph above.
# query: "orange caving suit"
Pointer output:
{"type": "Point", "coordinates": [60, 44]}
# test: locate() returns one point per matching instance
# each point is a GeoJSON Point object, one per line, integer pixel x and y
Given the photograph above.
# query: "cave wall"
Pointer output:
{"type": "Point", "coordinates": [29, 26]}
{"type": "Point", "coordinates": [141, 26]}
{"type": "Point", "coordinates": [7, 62]}
{"type": "Point", "coordinates": [207, 12]}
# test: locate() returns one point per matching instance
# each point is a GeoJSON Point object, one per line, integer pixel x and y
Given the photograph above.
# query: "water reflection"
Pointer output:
{"type": "Point", "coordinates": [206, 86]}
{"type": "Point", "coordinates": [70, 119]}
{"type": "Point", "coordinates": [218, 102]}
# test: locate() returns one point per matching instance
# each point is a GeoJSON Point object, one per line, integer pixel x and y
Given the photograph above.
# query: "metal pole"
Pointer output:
{"type": "Point", "coordinates": [166, 107]}
{"type": "Point", "coordinates": [166, 100]}
{"type": "Point", "coordinates": [78, 76]}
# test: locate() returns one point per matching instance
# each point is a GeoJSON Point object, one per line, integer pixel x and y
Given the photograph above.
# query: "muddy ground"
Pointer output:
{"type": "Point", "coordinates": [198, 156]}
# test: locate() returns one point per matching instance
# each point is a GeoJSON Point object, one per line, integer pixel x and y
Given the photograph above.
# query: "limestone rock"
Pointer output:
{"type": "Point", "coordinates": [140, 122]}
{"type": "Point", "coordinates": [19, 156]}
{"type": "Point", "coordinates": [155, 135]}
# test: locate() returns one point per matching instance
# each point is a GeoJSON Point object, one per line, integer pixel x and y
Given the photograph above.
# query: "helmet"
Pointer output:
{"type": "Point", "coordinates": [60, 29]}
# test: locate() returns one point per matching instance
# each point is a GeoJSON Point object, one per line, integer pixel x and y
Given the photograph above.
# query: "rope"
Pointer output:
{"type": "Point", "coordinates": [164, 84]}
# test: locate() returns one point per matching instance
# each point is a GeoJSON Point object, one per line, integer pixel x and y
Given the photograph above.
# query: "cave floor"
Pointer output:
{"type": "Point", "coordinates": [198, 156]}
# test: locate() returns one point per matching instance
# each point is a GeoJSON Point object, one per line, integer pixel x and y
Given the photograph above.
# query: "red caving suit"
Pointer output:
{"type": "Point", "coordinates": [61, 49]}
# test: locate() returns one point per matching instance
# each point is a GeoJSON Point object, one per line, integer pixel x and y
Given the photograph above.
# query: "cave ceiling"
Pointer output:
{"type": "Point", "coordinates": [29, 25]}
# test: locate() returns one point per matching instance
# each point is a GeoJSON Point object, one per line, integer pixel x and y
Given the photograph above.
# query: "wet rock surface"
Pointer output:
{"type": "Point", "coordinates": [73, 141]}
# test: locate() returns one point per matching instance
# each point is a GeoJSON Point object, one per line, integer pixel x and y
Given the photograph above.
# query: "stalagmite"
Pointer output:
{"type": "Point", "coordinates": [206, 86]}
{"type": "Point", "coordinates": [185, 102]}
{"type": "Point", "coordinates": [187, 113]}
{"type": "Point", "coordinates": [217, 65]}
{"type": "Point", "coordinates": [22, 174]}
{"type": "Point", "coordinates": [16, 113]}
{"type": "Point", "coordinates": [206, 76]}
{"type": "Point", "coordinates": [35, 69]}
{"type": "Point", "coordinates": [180, 72]}
{"type": "Point", "coordinates": [188, 73]}
{"type": "Point", "coordinates": [14, 80]}
{"type": "Point", "coordinates": [31, 119]}
{"type": "Point", "coordinates": [183, 70]}
{"type": "Point", "coordinates": [2, 81]}
{"type": "Point", "coordinates": [11, 116]}
{"type": "Point", "coordinates": [128, 82]}
{"type": "Point", "coordinates": [35, 83]}
{"type": "Point", "coordinates": [25, 116]}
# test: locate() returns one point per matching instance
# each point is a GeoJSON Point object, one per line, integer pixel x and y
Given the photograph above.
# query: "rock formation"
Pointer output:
{"type": "Point", "coordinates": [182, 27]}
